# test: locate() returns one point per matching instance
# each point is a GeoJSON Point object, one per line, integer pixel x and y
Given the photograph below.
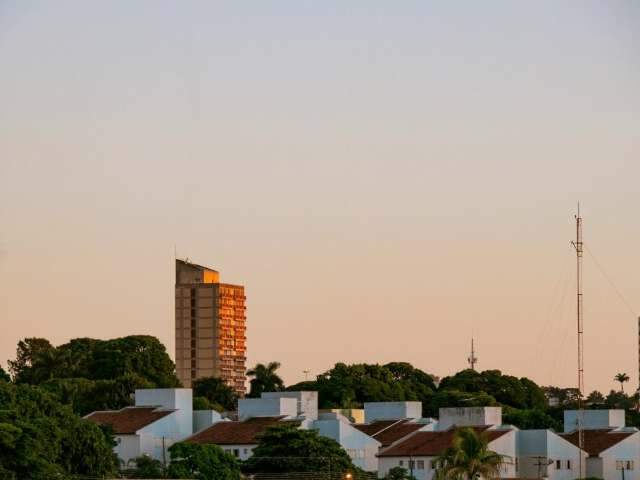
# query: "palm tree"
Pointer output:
{"type": "Point", "coordinates": [621, 377]}
{"type": "Point", "coordinates": [469, 458]}
{"type": "Point", "coordinates": [265, 379]}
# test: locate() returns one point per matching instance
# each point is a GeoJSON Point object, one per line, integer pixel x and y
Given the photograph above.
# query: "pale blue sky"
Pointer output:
{"type": "Point", "coordinates": [384, 177]}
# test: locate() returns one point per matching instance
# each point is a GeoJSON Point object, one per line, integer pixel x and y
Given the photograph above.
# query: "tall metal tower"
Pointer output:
{"type": "Point", "coordinates": [578, 246]}
{"type": "Point", "coordinates": [472, 359]}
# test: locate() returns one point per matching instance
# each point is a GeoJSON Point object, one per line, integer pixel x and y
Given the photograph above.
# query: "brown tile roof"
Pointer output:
{"type": "Point", "coordinates": [128, 420]}
{"type": "Point", "coordinates": [235, 433]}
{"type": "Point", "coordinates": [389, 431]}
{"type": "Point", "coordinates": [597, 441]}
{"type": "Point", "coordinates": [430, 444]}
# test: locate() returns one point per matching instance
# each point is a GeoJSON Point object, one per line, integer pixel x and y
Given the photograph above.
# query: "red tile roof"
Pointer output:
{"type": "Point", "coordinates": [129, 419]}
{"type": "Point", "coordinates": [389, 431]}
{"type": "Point", "coordinates": [235, 433]}
{"type": "Point", "coordinates": [597, 441]}
{"type": "Point", "coordinates": [431, 444]}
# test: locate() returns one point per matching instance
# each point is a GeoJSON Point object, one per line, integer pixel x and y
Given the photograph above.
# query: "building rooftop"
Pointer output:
{"type": "Point", "coordinates": [235, 433]}
{"type": "Point", "coordinates": [597, 441]}
{"type": "Point", "coordinates": [128, 420]}
{"type": "Point", "coordinates": [389, 431]}
{"type": "Point", "coordinates": [431, 444]}
{"type": "Point", "coordinates": [195, 265]}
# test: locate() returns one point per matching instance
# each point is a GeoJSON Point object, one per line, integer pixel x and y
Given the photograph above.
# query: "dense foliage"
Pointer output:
{"type": "Point", "coordinates": [91, 374]}
{"type": "Point", "coordinates": [349, 386]}
{"type": "Point", "coordinates": [286, 448]}
{"type": "Point", "coordinates": [202, 462]}
{"type": "Point", "coordinates": [41, 438]}
{"type": "Point", "coordinates": [469, 458]}
{"type": "Point", "coordinates": [264, 379]}
{"type": "Point", "coordinates": [213, 393]}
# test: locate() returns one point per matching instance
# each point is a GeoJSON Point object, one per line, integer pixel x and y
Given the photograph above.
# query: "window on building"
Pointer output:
{"type": "Point", "coordinates": [420, 464]}
{"type": "Point", "coordinates": [568, 464]}
{"type": "Point", "coordinates": [432, 464]}
{"type": "Point", "coordinates": [245, 451]}
{"type": "Point", "coordinates": [629, 465]}
{"type": "Point", "coordinates": [619, 464]}
{"type": "Point", "coordinates": [236, 452]}
{"type": "Point", "coordinates": [412, 464]}
{"type": "Point", "coordinates": [401, 463]}
{"type": "Point", "coordinates": [558, 464]}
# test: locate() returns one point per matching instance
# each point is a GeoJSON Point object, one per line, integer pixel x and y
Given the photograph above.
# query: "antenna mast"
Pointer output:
{"type": "Point", "coordinates": [578, 246]}
{"type": "Point", "coordinates": [472, 359]}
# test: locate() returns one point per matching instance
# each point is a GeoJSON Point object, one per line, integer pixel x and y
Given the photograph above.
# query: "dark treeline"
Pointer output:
{"type": "Point", "coordinates": [50, 388]}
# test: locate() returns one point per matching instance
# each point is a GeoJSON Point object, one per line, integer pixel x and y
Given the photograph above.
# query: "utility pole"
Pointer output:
{"type": "Point", "coordinates": [472, 359]}
{"type": "Point", "coordinates": [578, 246]}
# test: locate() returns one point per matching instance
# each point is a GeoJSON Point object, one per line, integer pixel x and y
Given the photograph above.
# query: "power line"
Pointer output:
{"type": "Point", "coordinates": [611, 283]}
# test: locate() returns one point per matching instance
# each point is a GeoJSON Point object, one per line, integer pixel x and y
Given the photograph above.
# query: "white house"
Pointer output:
{"type": "Point", "coordinates": [159, 418]}
{"type": "Point", "coordinates": [545, 454]}
{"type": "Point", "coordinates": [374, 411]}
{"type": "Point", "coordinates": [417, 451]}
{"type": "Point", "coordinates": [613, 449]}
{"type": "Point", "coordinates": [361, 447]}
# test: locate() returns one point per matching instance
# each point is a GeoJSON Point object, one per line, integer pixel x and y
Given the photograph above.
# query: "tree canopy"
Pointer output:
{"type": "Point", "coordinates": [218, 395]}
{"type": "Point", "coordinates": [202, 462]}
{"type": "Point", "coordinates": [286, 448]}
{"type": "Point", "coordinates": [41, 438]}
{"type": "Point", "coordinates": [91, 374]}
{"type": "Point", "coordinates": [347, 386]}
{"type": "Point", "coordinates": [264, 379]}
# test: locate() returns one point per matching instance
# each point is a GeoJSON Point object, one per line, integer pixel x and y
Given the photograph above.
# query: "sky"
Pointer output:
{"type": "Point", "coordinates": [387, 179]}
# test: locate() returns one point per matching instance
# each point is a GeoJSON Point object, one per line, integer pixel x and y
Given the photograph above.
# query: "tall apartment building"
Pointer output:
{"type": "Point", "coordinates": [210, 327]}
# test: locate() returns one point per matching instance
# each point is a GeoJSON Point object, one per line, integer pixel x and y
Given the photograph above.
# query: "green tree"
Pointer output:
{"type": "Point", "coordinates": [621, 378]}
{"type": "Point", "coordinates": [348, 386]}
{"type": "Point", "coordinates": [531, 419]}
{"type": "Point", "coordinates": [285, 448]}
{"type": "Point", "coordinates": [469, 458]}
{"type": "Point", "coordinates": [26, 353]}
{"type": "Point", "coordinates": [220, 395]}
{"type": "Point", "coordinates": [265, 379]}
{"type": "Point", "coordinates": [41, 438]}
{"type": "Point", "coordinates": [399, 473]}
{"type": "Point", "coordinates": [595, 398]}
{"type": "Point", "coordinates": [455, 398]}
{"type": "Point", "coordinates": [147, 467]}
{"type": "Point", "coordinates": [202, 462]}
{"type": "Point", "coordinates": [4, 376]}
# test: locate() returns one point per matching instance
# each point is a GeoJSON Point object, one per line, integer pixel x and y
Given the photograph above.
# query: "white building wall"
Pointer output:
{"type": "Point", "coordinates": [179, 399]}
{"type": "Point", "coordinates": [626, 450]}
{"type": "Point", "coordinates": [592, 419]}
{"type": "Point", "coordinates": [127, 447]}
{"type": "Point", "coordinates": [267, 407]}
{"type": "Point", "coordinates": [469, 416]}
{"type": "Point", "coordinates": [204, 418]}
{"type": "Point", "coordinates": [391, 410]}
{"type": "Point", "coordinates": [361, 447]}
{"type": "Point", "coordinates": [505, 445]}
{"type": "Point", "coordinates": [243, 452]}
{"type": "Point", "coordinates": [546, 447]}
{"type": "Point", "coordinates": [307, 402]}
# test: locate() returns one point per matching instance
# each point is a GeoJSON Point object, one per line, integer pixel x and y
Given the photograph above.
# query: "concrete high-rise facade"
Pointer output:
{"type": "Point", "coordinates": [210, 327]}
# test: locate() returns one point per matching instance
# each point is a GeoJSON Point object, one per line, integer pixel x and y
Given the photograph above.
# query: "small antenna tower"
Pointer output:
{"type": "Point", "coordinates": [472, 359]}
{"type": "Point", "coordinates": [306, 374]}
{"type": "Point", "coordinates": [578, 246]}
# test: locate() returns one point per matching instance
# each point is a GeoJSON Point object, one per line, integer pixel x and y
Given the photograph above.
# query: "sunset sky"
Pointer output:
{"type": "Point", "coordinates": [385, 178]}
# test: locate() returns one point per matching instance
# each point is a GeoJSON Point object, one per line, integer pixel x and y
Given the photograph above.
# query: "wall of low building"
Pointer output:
{"type": "Point", "coordinates": [361, 447]}
{"type": "Point", "coordinates": [506, 446]}
{"type": "Point", "coordinates": [469, 416]}
{"type": "Point", "coordinates": [427, 471]}
{"type": "Point", "coordinates": [267, 407]}
{"type": "Point", "coordinates": [391, 410]}
{"type": "Point", "coordinates": [180, 399]}
{"type": "Point", "coordinates": [127, 447]}
{"type": "Point", "coordinates": [243, 452]}
{"type": "Point", "coordinates": [628, 450]}
{"type": "Point", "coordinates": [307, 402]}
{"type": "Point", "coordinates": [539, 451]}
{"type": "Point", "coordinates": [594, 468]}
{"type": "Point", "coordinates": [204, 418]}
{"type": "Point", "coordinates": [592, 419]}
